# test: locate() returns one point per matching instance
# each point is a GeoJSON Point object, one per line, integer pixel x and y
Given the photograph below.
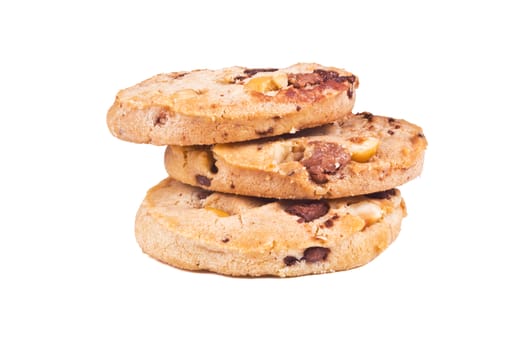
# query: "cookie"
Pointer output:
{"type": "Point", "coordinates": [232, 104]}
{"type": "Point", "coordinates": [190, 228]}
{"type": "Point", "coordinates": [359, 154]}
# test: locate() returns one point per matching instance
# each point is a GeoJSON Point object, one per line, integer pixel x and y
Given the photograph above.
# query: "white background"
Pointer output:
{"type": "Point", "coordinates": [71, 273]}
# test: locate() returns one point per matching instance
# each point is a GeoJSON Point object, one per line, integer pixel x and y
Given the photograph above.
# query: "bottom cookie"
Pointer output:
{"type": "Point", "coordinates": [193, 229]}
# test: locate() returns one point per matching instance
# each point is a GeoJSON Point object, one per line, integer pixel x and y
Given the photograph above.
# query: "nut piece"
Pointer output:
{"type": "Point", "coordinates": [368, 211]}
{"type": "Point", "coordinates": [362, 149]}
{"type": "Point", "coordinates": [280, 80]}
{"type": "Point", "coordinates": [280, 152]}
{"type": "Point", "coordinates": [218, 212]}
{"type": "Point", "coordinates": [184, 94]}
{"type": "Point", "coordinates": [267, 83]}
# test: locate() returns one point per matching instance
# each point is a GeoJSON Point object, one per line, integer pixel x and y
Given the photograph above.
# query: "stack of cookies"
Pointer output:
{"type": "Point", "coordinates": [270, 172]}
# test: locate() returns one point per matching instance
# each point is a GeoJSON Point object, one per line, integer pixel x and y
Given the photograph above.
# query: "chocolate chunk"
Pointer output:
{"type": "Point", "coordinates": [351, 78]}
{"type": "Point", "coordinates": [391, 132]}
{"type": "Point", "coordinates": [239, 78]}
{"type": "Point", "coordinates": [161, 119]}
{"type": "Point", "coordinates": [290, 260]}
{"type": "Point", "coordinates": [343, 78]}
{"type": "Point", "coordinates": [316, 254]}
{"type": "Point", "coordinates": [203, 180]}
{"type": "Point", "coordinates": [225, 240]}
{"type": "Point", "coordinates": [366, 115]}
{"type": "Point", "coordinates": [253, 71]}
{"type": "Point", "coordinates": [203, 194]}
{"type": "Point", "coordinates": [382, 195]}
{"type": "Point", "coordinates": [329, 223]}
{"type": "Point", "coordinates": [326, 75]}
{"type": "Point", "coordinates": [319, 76]}
{"type": "Point", "coordinates": [326, 159]}
{"type": "Point", "coordinates": [265, 132]}
{"type": "Point", "coordinates": [309, 210]}
{"type": "Point", "coordinates": [212, 161]}
{"type": "Point", "coordinates": [250, 72]}
{"type": "Point", "coordinates": [301, 80]}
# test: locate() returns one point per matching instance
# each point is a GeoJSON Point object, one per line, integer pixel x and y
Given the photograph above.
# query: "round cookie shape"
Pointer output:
{"type": "Point", "coordinates": [194, 229]}
{"type": "Point", "coordinates": [204, 107]}
{"type": "Point", "coordinates": [356, 155]}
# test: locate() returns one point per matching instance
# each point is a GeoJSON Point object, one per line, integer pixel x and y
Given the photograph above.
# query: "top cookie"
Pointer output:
{"type": "Point", "coordinates": [204, 107]}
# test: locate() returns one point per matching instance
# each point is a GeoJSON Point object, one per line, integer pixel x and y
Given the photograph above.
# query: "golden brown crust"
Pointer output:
{"type": "Point", "coordinates": [312, 164]}
{"type": "Point", "coordinates": [231, 104]}
{"type": "Point", "coordinates": [193, 229]}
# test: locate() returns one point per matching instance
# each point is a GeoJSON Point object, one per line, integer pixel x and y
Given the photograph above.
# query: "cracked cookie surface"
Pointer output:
{"type": "Point", "coordinates": [194, 229]}
{"type": "Point", "coordinates": [231, 104]}
{"type": "Point", "coordinates": [358, 154]}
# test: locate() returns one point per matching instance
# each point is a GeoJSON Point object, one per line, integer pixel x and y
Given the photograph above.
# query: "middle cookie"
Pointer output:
{"type": "Point", "coordinates": [360, 154]}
